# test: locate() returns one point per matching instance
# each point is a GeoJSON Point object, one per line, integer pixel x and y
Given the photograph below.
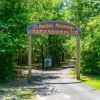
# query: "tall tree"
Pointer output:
{"type": "Point", "coordinates": [84, 14]}
{"type": "Point", "coordinates": [14, 19]}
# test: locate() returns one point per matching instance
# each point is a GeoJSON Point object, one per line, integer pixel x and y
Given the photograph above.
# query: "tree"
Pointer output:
{"type": "Point", "coordinates": [85, 13]}
{"type": "Point", "coordinates": [13, 25]}
{"type": "Point", "coordinates": [91, 51]}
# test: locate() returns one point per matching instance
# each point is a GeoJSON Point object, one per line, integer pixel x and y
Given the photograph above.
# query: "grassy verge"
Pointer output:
{"type": "Point", "coordinates": [90, 80]}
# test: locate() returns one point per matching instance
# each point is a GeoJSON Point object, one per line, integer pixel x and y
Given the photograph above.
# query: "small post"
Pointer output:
{"type": "Point", "coordinates": [29, 58]}
{"type": "Point", "coordinates": [78, 58]}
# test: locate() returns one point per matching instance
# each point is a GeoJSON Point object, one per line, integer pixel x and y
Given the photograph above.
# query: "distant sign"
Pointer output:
{"type": "Point", "coordinates": [53, 28]}
{"type": "Point", "coordinates": [47, 62]}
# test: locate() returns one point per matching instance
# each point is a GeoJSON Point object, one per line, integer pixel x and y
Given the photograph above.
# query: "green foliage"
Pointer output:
{"type": "Point", "coordinates": [13, 24]}
{"type": "Point", "coordinates": [91, 49]}
{"type": "Point", "coordinates": [45, 45]}
{"type": "Point", "coordinates": [15, 15]}
{"type": "Point", "coordinates": [71, 47]}
{"type": "Point", "coordinates": [6, 54]}
{"type": "Point", "coordinates": [85, 13]}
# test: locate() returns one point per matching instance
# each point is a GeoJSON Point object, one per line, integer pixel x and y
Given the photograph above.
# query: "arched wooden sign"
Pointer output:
{"type": "Point", "coordinates": [53, 28]}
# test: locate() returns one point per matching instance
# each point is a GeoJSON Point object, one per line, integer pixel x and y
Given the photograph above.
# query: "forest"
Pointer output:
{"type": "Point", "coordinates": [16, 15]}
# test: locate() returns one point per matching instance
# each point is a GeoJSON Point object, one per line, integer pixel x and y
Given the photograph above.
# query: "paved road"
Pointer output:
{"type": "Point", "coordinates": [57, 85]}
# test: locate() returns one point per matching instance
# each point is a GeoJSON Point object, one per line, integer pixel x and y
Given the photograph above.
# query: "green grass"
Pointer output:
{"type": "Point", "coordinates": [93, 81]}
{"type": "Point", "coordinates": [90, 80]}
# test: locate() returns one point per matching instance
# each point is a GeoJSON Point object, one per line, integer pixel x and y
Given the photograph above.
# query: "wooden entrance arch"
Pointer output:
{"type": "Point", "coordinates": [54, 28]}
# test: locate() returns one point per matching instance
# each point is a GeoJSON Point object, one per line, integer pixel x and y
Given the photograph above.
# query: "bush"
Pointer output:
{"type": "Point", "coordinates": [91, 58]}
{"type": "Point", "coordinates": [7, 64]}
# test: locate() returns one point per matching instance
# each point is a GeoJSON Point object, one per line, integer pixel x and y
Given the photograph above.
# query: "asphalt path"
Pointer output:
{"type": "Point", "coordinates": [57, 85]}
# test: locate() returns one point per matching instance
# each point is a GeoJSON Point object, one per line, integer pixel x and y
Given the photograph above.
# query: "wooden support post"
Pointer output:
{"type": "Point", "coordinates": [78, 57]}
{"type": "Point", "coordinates": [29, 58]}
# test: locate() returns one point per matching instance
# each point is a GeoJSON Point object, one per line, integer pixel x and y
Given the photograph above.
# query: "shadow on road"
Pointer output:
{"type": "Point", "coordinates": [19, 90]}
{"type": "Point", "coordinates": [43, 88]}
{"type": "Point", "coordinates": [46, 81]}
{"type": "Point", "coordinates": [59, 83]}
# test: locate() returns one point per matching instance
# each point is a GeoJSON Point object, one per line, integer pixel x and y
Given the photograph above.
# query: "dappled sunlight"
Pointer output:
{"type": "Point", "coordinates": [15, 91]}
{"type": "Point", "coordinates": [47, 82]}
{"type": "Point", "coordinates": [41, 80]}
